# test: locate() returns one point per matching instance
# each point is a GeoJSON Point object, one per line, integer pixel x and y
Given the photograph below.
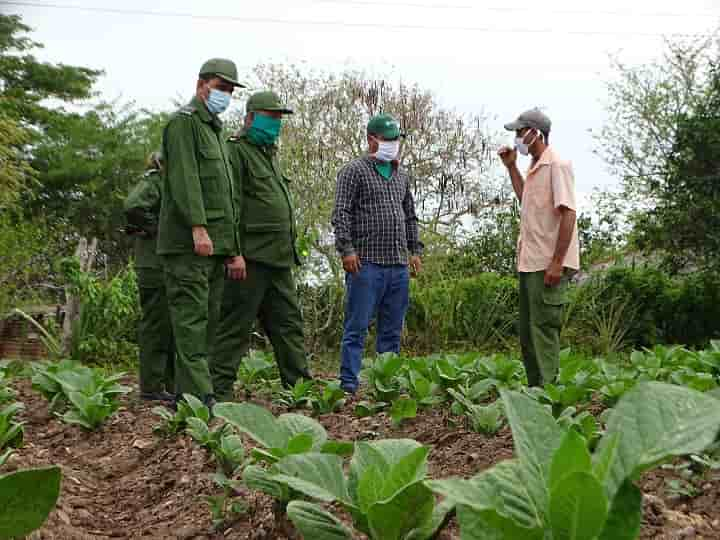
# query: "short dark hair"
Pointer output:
{"type": "Point", "coordinates": [546, 136]}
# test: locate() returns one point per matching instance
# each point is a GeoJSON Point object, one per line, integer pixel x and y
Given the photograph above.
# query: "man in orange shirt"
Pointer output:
{"type": "Point", "coordinates": [548, 249]}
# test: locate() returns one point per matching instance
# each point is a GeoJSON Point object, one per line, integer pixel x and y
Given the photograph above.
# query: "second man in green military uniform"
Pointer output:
{"type": "Point", "coordinates": [267, 243]}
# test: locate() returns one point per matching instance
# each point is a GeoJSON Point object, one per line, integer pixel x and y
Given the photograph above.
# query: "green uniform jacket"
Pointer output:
{"type": "Point", "coordinates": [266, 222]}
{"type": "Point", "coordinates": [142, 207]}
{"type": "Point", "coordinates": [198, 187]}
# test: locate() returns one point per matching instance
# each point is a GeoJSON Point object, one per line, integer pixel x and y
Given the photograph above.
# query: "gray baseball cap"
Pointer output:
{"type": "Point", "coordinates": [534, 118]}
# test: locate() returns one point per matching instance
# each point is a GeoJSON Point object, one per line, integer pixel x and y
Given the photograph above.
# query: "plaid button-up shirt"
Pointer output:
{"type": "Point", "coordinates": [375, 217]}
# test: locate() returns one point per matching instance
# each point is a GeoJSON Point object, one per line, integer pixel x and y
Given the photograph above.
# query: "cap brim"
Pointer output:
{"type": "Point", "coordinates": [231, 81]}
{"type": "Point", "coordinates": [514, 126]}
{"type": "Point", "coordinates": [282, 110]}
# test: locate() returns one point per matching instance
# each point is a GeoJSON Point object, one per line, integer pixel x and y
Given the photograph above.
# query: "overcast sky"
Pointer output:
{"type": "Point", "coordinates": [475, 55]}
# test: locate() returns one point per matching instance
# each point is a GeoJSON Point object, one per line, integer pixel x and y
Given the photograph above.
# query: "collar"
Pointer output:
{"type": "Point", "coordinates": [373, 160]}
{"type": "Point", "coordinates": [204, 114]}
{"type": "Point", "coordinates": [546, 158]}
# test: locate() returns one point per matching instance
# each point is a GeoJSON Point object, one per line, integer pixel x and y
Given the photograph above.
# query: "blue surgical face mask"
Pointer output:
{"type": "Point", "coordinates": [217, 101]}
{"type": "Point", "coordinates": [264, 130]}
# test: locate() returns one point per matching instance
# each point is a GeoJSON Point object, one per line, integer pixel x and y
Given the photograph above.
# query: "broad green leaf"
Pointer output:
{"type": "Point", "coordinates": [572, 456]}
{"type": "Point", "coordinates": [198, 407]}
{"type": "Point", "coordinates": [339, 448]}
{"type": "Point", "coordinates": [403, 408]}
{"type": "Point", "coordinates": [319, 476]}
{"type": "Point", "coordinates": [437, 519]}
{"type": "Point", "coordinates": [315, 523]}
{"type": "Point", "coordinates": [299, 423]}
{"type": "Point", "coordinates": [489, 525]}
{"type": "Point", "coordinates": [625, 515]}
{"type": "Point", "coordinates": [76, 417]}
{"type": "Point", "coordinates": [578, 507]}
{"type": "Point", "coordinates": [299, 444]}
{"type": "Point", "coordinates": [408, 470]}
{"type": "Point", "coordinates": [370, 488]}
{"type": "Point", "coordinates": [255, 421]}
{"type": "Point", "coordinates": [655, 421]}
{"type": "Point", "coordinates": [261, 480]}
{"type": "Point", "coordinates": [198, 429]}
{"type": "Point", "coordinates": [383, 454]}
{"type": "Point", "coordinates": [536, 436]}
{"type": "Point", "coordinates": [26, 499]}
{"type": "Point", "coordinates": [407, 510]}
{"type": "Point", "coordinates": [501, 489]}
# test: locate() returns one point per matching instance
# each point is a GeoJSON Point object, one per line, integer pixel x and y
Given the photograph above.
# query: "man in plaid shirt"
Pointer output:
{"type": "Point", "coordinates": [376, 234]}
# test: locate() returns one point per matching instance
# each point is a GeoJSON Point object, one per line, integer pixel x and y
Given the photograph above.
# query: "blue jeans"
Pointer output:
{"type": "Point", "coordinates": [381, 291]}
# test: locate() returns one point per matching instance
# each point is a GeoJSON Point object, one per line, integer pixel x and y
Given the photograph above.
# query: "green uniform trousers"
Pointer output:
{"type": "Point", "coordinates": [269, 294]}
{"type": "Point", "coordinates": [155, 337]}
{"type": "Point", "coordinates": [541, 312]}
{"type": "Point", "coordinates": [194, 289]}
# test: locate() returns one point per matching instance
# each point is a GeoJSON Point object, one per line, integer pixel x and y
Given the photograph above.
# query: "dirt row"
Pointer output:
{"type": "Point", "coordinates": [124, 481]}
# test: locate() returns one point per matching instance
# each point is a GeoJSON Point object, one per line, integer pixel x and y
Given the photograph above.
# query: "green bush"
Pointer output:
{"type": "Point", "coordinates": [480, 311]}
{"type": "Point", "coordinates": [657, 308]}
{"type": "Point", "coordinates": [106, 331]}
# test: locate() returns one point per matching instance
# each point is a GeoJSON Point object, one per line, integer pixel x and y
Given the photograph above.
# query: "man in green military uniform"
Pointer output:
{"type": "Point", "coordinates": [267, 243]}
{"type": "Point", "coordinates": [197, 235]}
{"type": "Point", "coordinates": [155, 339]}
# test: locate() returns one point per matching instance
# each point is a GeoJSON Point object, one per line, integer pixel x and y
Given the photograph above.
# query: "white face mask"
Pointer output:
{"type": "Point", "coordinates": [387, 150]}
{"type": "Point", "coordinates": [522, 147]}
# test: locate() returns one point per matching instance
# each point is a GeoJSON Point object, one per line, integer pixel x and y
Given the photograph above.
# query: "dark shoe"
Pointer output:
{"type": "Point", "coordinates": [157, 396]}
{"type": "Point", "coordinates": [209, 401]}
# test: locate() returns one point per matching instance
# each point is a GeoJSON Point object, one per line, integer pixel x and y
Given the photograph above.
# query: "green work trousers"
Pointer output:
{"type": "Point", "coordinates": [194, 289]}
{"type": "Point", "coordinates": [268, 293]}
{"type": "Point", "coordinates": [155, 337]}
{"type": "Point", "coordinates": [541, 313]}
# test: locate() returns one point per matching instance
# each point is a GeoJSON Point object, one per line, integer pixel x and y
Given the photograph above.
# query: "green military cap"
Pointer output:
{"type": "Point", "coordinates": [385, 126]}
{"type": "Point", "coordinates": [266, 101]}
{"type": "Point", "coordinates": [534, 118]}
{"type": "Point", "coordinates": [223, 68]}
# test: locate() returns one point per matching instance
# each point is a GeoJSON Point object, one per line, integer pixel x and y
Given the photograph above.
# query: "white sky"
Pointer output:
{"type": "Point", "coordinates": [153, 60]}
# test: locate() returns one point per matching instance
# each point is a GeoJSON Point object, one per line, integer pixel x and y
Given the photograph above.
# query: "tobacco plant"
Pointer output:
{"type": "Point", "coordinates": [175, 422]}
{"type": "Point", "coordinates": [383, 491]}
{"type": "Point", "coordinates": [556, 490]}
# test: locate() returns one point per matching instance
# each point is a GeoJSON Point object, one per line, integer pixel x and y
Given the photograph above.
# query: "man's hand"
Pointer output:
{"type": "Point", "coordinates": [236, 268]}
{"type": "Point", "coordinates": [203, 244]}
{"type": "Point", "coordinates": [508, 156]}
{"type": "Point", "coordinates": [351, 264]}
{"type": "Point", "coordinates": [415, 265]}
{"type": "Point", "coordinates": [553, 274]}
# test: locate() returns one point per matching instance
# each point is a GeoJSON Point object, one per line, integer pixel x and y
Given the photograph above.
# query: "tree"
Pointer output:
{"type": "Point", "coordinates": [15, 173]}
{"type": "Point", "coordinates": [86, 165]}
{"type": "Point", "coordinates": [25, 82]}
{"type": "Point", "coordinates": [659, 140]}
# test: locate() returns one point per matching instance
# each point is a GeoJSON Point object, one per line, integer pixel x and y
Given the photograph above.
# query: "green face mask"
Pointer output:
{"type": "Point", "coordinates": [264, 130]}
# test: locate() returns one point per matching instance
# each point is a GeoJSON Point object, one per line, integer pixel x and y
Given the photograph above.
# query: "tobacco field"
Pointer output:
{"type": "Point", "coordinates": [443, 446]}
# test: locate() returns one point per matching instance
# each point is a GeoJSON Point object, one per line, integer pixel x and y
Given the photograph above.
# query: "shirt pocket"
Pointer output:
{"type": "Point", "coordinates": [210, 168]}
{"type": "Point", "coordinates": [538, 192]}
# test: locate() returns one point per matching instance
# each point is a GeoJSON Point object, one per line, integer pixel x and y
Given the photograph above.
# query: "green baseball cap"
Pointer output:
{"type": "Point", "coordinates": [385, 126]}
{"type": "Point", "coordinates": [223, 68]}
{"type": "Point", "coordinates": [534, 118]}
{"type": "Point", "coordinates": [266, 101]}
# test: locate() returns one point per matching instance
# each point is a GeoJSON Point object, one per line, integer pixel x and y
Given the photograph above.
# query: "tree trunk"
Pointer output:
{"type": "Point", "coordinates": [86, 255]}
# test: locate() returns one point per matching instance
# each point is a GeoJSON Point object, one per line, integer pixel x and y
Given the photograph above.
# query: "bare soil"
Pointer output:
{"type": "Point", "coordinates": [124, 481]}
